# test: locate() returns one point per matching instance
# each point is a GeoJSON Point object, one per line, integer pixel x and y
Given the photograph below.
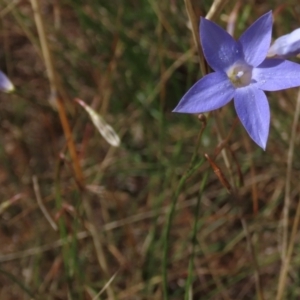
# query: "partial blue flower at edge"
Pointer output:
{"type": "Point", "coordinates": [286, 46]}
{"type": "Point", "coordinates": [242, 72]}
{"type": "Point", "coordinates": [5, 83]}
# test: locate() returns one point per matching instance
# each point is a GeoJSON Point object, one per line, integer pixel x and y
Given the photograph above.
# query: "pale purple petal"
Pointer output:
{"type": "Point", "coordinates": [279, 47]}
{"type": "Point", "coordinates": [287, 45]}
{"type": "Point", "coordinates": [209, 93]}
{"type": "Point", "coordinates": [253, 110]}
{"type": "Point", "coordinates": [276, 74]}
{"type": "Point", "coordinates": [5, 83]}
{"type": "Point", "coordinates": [256, 40]}
{"type": "Point", "coordinates": [219, 48]}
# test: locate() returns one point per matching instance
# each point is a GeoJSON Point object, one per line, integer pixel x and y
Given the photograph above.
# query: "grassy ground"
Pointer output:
{"type": "Point", "coordinates": [153, 220]}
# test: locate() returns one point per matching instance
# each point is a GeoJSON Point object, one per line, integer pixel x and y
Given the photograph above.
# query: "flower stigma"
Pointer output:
{"type": "Point", "coordinates": [240, 74]}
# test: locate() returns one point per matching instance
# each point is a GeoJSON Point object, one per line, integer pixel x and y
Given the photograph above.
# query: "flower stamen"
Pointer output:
{"type": "Point", "coordinates": [240, 75]}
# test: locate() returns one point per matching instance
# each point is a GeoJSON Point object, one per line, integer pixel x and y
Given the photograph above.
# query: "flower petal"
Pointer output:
{"type": "Point", "coordinates": [256, 40]}
{"type": "Point", "coordinates": [252, 107]}
{"type": "Point", "coordinates": [209, 93]}
{"type": "Point", "coordinates": [219, 47]}
{"type": "Point", "coordinates": [286, 45]}
{"type": "Point", "coordinates": [5, 83]}
{"type": "Point", "coordinates": [276, 74]}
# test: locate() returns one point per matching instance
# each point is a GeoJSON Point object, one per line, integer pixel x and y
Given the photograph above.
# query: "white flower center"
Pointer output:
{"type": "Point", "coordinates": [240, 74]}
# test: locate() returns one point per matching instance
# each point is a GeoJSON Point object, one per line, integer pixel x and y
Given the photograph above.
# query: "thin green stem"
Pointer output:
{"type": "Point", "coordinates": [287, 249]}
{"type": "Point", "coordinates": [288, 257]}
{"type": "Point", "coordinates": [167, 230]}
{"type": "Point", "coordinates": [194, 240]}
{"type": "Point", "coordinates": [287, 192]}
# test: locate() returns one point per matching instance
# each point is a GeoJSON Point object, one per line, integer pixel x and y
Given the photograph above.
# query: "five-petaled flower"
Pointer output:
{"type": "Point", "coordinates": [242, 72]}
{"type": "Point", "coordinates": [5, 83]}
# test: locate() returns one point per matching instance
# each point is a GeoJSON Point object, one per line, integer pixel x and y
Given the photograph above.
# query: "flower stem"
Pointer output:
{"type": "Point", "coordinates": [287, 191]}
{"type": "Point", "coordinates": [287, 249]}
{"type": "Point", "coordinates": [167, 230]}
{"type": "Point", "coordinates": [189, 280]}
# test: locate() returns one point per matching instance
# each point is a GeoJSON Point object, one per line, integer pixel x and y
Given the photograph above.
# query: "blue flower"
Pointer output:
{"type": "Point", "coordinates": [287, 45]}
{"type": "Point", "coordinates": [241, 72]}
{"type": "Point", "coordinates": [5, 83]}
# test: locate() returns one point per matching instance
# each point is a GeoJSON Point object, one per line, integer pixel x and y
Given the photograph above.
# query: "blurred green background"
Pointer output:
{"type": "Point", "coordinates": [132, 60]}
